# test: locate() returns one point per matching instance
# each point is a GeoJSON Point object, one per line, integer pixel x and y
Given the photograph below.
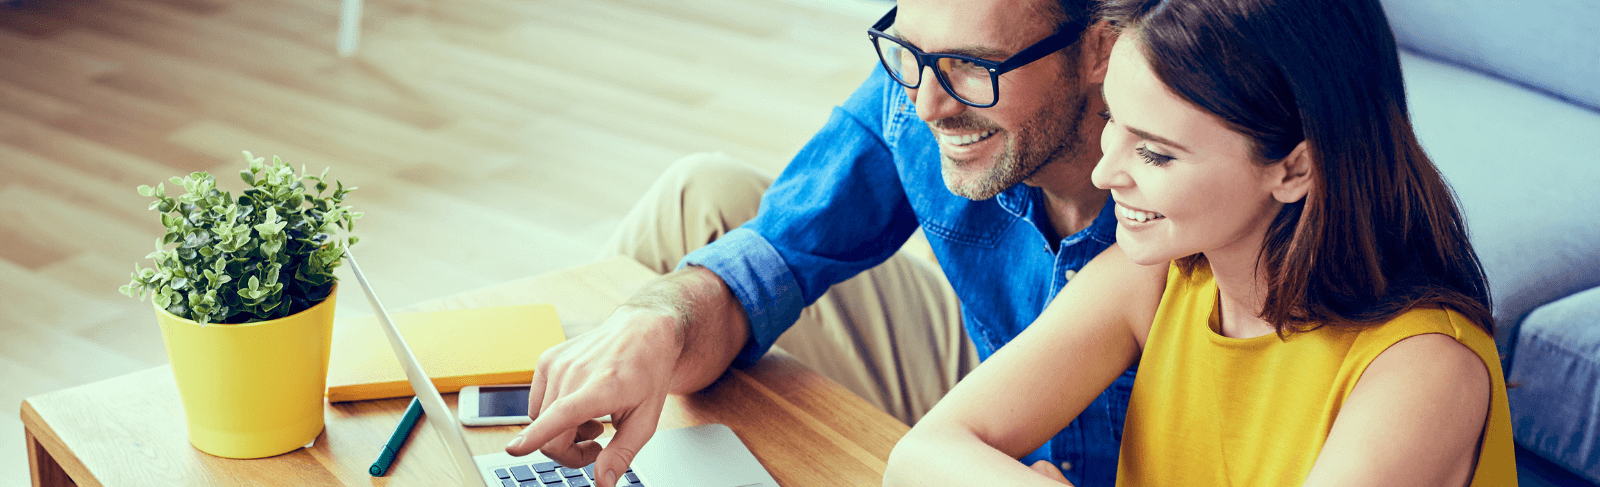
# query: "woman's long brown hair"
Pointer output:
{"type": "Point", "coordinates": [1380, 232]}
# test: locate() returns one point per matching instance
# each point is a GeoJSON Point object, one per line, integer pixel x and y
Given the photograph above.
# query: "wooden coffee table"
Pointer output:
{"type": "Point", "coordinates": [129, 430]}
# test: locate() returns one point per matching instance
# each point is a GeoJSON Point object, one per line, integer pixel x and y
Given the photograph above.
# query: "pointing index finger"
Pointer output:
{"type": "Point", "coordinates": [559, 417]}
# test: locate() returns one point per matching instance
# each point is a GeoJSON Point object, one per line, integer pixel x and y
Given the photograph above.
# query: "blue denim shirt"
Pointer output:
{"type": "Point", "coordinates": [856, 192]}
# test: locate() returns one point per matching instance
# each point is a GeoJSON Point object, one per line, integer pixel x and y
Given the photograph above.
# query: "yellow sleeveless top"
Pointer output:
{"type": "Point", "coordinates": [1217, 411]}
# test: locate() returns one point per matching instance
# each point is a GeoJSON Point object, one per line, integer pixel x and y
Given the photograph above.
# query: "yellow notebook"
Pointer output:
{"type": "Point", "coordinates": [457, 348]}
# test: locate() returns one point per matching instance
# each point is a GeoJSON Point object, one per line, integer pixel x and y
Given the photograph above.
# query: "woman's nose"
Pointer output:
{"type": "Point", "coordinates": [1109, 173]}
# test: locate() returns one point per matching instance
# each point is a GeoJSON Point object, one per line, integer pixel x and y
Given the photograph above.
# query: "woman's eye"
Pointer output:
{"type": "Point", "coordinates": [1106, 114]}
{"type": "Point", "coordinates": [1152, 157]}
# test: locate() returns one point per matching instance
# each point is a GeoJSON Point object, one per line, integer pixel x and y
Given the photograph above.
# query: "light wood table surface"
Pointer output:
{"type": "Point", "coordinates": [130, 430]}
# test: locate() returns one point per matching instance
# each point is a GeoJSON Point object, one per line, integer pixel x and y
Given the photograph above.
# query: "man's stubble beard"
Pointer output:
{"type": "Point", "coordinates": [1054, 134]}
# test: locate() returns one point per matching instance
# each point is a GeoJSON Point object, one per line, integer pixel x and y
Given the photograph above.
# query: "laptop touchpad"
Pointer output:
{"type": "Point", "coordinates": [708, 455]}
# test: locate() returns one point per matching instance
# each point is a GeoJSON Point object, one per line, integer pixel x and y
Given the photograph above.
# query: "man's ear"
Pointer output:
{"type": "Point", "coordinates": [1294, 175]}
{"type": "Point", "coordinates": [1096, 52]}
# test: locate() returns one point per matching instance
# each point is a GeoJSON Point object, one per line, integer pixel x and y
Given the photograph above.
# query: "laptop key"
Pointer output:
{"type": "Point", "coordinates": [579, 482]}
{"type": "Point", "coordinates": [522, 473]}
{"type": "Point", "coordinates": [508, 483]}
{"type": "Point", "coordinates": [570, 472]}
{"type": "Point", "coordinates": [632, 479]}
{"type": "Point", "coordinates": [502, 473]}
{"type": "Point", "coordinates": [545, 467]}
{"type": "Point", "coordinates": [590, 471]}
{"type": "Point", "coordinates": [550, 477]}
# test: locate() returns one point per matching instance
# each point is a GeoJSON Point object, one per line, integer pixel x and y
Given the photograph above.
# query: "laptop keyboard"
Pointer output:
{"type": "Point", "coordinates": [550, 474]}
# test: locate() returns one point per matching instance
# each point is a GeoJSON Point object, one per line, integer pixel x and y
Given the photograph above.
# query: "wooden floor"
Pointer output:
{"type": "Point", "coordinates": [491, 139]}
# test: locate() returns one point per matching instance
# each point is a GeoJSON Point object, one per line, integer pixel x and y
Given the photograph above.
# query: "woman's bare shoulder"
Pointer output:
{"type": "Point", "coordinates": [1134, 289]}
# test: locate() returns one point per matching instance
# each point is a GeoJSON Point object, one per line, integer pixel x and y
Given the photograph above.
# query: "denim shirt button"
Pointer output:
{"type": "Point", "coordinates": [1065, 466]}
{"type": "Point", "coordinates": [1070, 274]}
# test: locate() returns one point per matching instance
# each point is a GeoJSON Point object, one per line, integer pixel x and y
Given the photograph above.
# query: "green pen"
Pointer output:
{"type": "Point", "coordinates": [397, 439]}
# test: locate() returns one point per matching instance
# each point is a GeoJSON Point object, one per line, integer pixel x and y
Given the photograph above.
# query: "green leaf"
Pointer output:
{"type": "Point", "coordinates": [254, 283]}
{"type": "Point", "coordinates": [268, 229]}
{"type": "Point", "coordinates": [255, 162]}
{"type": "Point", "coordinates": [162, 300]}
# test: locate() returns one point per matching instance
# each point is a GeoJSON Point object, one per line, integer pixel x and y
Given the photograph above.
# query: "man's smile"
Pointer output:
{"type": "Point", "coordinates": [965, 139]}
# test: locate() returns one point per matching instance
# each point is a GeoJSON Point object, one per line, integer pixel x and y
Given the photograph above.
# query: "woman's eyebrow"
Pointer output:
{"type": "Point", "coordinates": [1143, 134]}
{"type": "Point", "coordinates": [1162, 140]}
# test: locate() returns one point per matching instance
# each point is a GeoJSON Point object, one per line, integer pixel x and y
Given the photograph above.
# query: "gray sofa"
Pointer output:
{"type": "Point", "coordinates": [1505, 96]}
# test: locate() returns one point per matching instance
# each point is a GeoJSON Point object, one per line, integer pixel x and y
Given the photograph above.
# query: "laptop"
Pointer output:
{"type": "Point", "coordinates": [708, 455]}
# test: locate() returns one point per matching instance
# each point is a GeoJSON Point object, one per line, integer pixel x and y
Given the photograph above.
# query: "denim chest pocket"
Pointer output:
{"type": "Point", "coordinates": [958, 220]}
{"type": "Point", "coordinates": [984, 236]}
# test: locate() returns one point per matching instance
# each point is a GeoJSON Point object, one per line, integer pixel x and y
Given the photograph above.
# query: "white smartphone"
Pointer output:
{"type": "Point", "coordinates": [493, 405]}
{"type": "Point", "coordinates": [496, 405]}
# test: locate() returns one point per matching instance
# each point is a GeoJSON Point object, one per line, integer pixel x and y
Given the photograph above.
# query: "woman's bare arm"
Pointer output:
{"type": "Point", "coordinates": [1037, 384]}
{"type": "Point", "coordinates": [1413, 419]}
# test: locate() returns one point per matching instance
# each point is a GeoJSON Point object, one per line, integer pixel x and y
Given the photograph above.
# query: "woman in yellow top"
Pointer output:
{"type": "Point", "coordinates": [1292, 275]}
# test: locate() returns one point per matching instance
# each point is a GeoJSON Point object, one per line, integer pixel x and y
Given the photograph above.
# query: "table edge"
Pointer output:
{"type": "Point", "coordinates": [38, 430]}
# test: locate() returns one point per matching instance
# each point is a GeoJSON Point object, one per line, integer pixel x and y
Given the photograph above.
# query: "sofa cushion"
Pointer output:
{"type": "Point", "coordinates": [1548, 44]}
{"type": "Point", "coordinates": [1527, 174]}
{"type": "Point", "coordinates": [1557, 373]}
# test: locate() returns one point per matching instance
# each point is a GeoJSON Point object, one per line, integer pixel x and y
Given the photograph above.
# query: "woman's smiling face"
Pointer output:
{"type": "Point", "coordinates": [1183, 182]}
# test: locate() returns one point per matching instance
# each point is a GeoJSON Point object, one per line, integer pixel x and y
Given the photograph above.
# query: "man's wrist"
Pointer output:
{"type": "Point", "coordinates": [660, 319]}
{"type": "Point", "coordinates": [669, 304]}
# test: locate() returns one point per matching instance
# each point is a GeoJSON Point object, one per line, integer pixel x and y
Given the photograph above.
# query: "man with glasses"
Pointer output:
{"type": "Point", "coordinates": [991, 92]}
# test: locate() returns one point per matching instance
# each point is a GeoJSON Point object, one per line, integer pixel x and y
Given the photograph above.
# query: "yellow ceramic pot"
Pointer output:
{"type": "Point", "coordinates": [252, 390]}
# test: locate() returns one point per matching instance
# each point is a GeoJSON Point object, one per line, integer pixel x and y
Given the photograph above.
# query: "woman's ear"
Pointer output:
{"type": "Point", "coordinates": [1096, 52]}
{"type": "Point", "coordinates": [1293, 180]}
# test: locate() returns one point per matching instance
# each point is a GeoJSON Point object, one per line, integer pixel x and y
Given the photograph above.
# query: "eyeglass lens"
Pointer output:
{"type": "Point", "coordinates": [969, 82]}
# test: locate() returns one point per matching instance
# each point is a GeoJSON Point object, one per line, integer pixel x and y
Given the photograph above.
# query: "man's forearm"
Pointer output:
{"type": "Point", "coordinates": [704, 316]}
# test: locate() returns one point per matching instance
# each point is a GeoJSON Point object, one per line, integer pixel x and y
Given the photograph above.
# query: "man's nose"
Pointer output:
{"type": "Point", "coordinates": [933, 102]}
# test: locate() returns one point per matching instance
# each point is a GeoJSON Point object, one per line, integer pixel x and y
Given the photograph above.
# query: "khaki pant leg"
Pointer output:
{"type": "Point", "coordinates": [893, 334]}
{"type": "Point", "coordinates": [694, 202]}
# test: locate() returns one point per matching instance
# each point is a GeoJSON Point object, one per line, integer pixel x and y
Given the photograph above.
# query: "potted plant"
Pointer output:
{"type": "Point", "coordinates": [243, 290]}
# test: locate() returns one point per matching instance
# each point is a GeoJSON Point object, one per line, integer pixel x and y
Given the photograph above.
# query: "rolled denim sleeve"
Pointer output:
{"type": "Point", "coordinates": [838, 208]}
{"type": "Point", "coordinates": [760, 280]}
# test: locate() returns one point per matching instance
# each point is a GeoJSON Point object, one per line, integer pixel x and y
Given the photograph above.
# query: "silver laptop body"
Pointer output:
{"type": "Point", "coordinates": [709, 455]}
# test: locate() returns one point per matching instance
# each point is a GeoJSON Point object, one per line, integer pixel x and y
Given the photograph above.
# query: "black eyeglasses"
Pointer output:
{"type": "Point", "coordinates": [971, 80]}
